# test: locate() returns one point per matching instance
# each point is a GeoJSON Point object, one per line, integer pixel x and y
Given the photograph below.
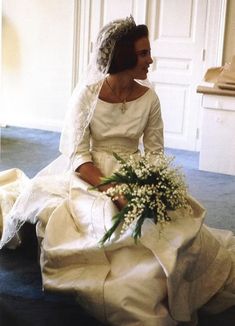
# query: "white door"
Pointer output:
{"type": "Point", "coordinates": [178, 30]}
{"type": "Point", "coordinates": [178, 37]}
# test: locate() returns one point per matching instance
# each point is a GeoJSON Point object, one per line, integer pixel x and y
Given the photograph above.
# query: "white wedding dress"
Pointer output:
{"type": "Point", "coordinates": [164, 278]}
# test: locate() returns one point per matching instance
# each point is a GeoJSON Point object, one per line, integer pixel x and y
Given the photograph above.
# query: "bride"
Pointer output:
{"type": "Point", "coordinates": [164, 278]}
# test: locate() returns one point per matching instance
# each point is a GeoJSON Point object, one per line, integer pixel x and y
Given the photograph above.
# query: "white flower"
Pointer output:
{"type": "Point", "coordinates": [151, 186]}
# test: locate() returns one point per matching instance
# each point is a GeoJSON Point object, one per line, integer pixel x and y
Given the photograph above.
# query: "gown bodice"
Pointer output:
{"type": "Point", "coordinates": [111, 130]}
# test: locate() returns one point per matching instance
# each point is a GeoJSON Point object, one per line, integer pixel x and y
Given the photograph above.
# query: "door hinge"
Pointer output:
{"type": "Point", "coordinates": [203, 54]}
{"type": "Point", "coordinates": [91, 47]}
{"type": "Point", "coordinates": [197, 133]}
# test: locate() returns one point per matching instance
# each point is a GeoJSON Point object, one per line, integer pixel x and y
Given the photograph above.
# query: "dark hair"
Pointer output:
{"type": "Point", "coordinates": [124, 56]}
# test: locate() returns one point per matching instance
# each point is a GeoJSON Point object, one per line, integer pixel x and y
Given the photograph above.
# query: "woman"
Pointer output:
{"type": "Point", "coordinates": [165, 277]}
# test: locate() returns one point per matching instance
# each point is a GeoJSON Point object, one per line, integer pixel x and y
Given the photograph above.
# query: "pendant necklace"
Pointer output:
{"type": "Point", "coordinates": [123, 101]}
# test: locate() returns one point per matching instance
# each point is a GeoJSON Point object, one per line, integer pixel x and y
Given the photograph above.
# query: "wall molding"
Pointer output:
{"type": "Point", "coordinates": [222, 31]}
{"type": "Point", "coordinates": [215, 29]}
{"type": "Point", "coordinates": [75, 59]}
{"type": "Point", "coordinates": [47, 124]}
{"type": "Point", "coordinates": [81, 38]}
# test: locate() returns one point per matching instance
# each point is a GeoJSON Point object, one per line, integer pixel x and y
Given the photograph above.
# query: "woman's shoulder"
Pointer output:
{"type": "Point", "coordinates": [141, 90]}
{"type": "Point", "coordinates": [142, 87]}
{"type": "Point", "coordinates": [151, 99]}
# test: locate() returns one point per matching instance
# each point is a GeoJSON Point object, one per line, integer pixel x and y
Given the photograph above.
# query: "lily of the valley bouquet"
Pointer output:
{"type": "Point", "coordinates": [151, 185]}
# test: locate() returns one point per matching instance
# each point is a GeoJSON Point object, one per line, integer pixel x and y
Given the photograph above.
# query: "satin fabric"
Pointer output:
{"type": "Point", "coordinates": [163, 279]}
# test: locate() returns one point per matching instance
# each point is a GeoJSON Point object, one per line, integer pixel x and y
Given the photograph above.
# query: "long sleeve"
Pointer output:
{"type": "Point", "coordinates": [153, 132]}
{"type": "Point", "coordinates": [83, 154]}
{"type": "Point", "coordinates": [75, 136]}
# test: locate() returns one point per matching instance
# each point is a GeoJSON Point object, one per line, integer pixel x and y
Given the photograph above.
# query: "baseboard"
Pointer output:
{"type": "Point", "coordinates": [50, 125]}
{"type": "Point", "coordinates": [2, 124]}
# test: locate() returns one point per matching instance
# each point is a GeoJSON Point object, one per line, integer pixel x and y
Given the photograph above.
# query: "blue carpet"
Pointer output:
{"type": "Point", "coordinates": [22, 301]}
{"type": "Point", "coordinates": [27, 149]}
{"type": "Point", "coordinates": [215, 191]}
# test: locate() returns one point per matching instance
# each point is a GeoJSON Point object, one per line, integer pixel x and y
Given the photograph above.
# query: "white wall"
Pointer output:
{"type": "Point", "coordinates": [37, 62]}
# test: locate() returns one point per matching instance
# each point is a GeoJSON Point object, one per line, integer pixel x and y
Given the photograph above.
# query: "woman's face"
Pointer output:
{"type": "Point", "coordinates": [144, 59]}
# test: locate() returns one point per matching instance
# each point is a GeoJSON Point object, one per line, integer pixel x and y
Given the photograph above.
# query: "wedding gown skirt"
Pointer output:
{"type": "Point", "coordinates": [164, 278]}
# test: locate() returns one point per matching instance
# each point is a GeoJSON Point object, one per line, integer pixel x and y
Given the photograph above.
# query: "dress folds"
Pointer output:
{"type": "Point", "coordinates": [164, 278]}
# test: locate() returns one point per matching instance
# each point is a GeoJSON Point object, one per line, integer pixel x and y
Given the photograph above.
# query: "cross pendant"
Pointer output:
{"type": "Point", "coordinates": [123, 107]}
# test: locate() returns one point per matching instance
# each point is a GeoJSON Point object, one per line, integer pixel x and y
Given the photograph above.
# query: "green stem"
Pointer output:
{"type": "Point", "coordinates": [118, 218]}
{"type": "Point", "coordinates": [137, 231]}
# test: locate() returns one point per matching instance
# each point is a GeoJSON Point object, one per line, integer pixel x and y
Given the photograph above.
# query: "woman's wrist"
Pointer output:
{"type": "Point", "coordinates": [104, 188]}
{"type": "Point", "coordinates": [121, 202]}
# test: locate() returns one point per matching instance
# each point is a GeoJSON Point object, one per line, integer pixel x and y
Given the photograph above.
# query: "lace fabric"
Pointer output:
{"type": "Point", "coordinates": [86, 93]}
{"type": "Point", "coordinates": [12, 182]}
{"type": "Point", "coordinates": [81, 108]}
{"type": "Point", "coordinates": [39, 195]}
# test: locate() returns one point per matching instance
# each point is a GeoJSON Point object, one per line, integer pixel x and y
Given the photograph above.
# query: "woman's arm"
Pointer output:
{"type": "Point", "coordinates": [86, 169]}
{"type": "Point", "coordinates": [153, 132]}
{"type": "Point", "coordinates": [92, 175]}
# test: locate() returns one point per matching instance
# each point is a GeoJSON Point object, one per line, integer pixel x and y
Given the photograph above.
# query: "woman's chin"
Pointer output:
{"type": "Point", "coordinates": [142, 77]}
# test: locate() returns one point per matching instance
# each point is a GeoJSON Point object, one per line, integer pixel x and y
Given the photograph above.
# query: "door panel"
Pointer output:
{"type": "Point", "coordinates": [177, 38]}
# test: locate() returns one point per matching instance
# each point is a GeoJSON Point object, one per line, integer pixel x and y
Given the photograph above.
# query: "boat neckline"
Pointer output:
{"type": "Point", "coordinates": [141, 96]}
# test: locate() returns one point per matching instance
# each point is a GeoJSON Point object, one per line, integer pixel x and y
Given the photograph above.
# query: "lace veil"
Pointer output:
{"type": "Point", "coordinates": [80, 112]}
{"type": "Point", "coordinates": [85, 94]}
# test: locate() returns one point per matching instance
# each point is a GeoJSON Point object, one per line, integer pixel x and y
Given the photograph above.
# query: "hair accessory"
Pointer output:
{"type": "Point", "coordinates": [107, 38]}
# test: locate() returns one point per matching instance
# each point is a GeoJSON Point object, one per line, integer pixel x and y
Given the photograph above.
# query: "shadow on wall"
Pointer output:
{"type": "Point", "coordinates": [11, 55]}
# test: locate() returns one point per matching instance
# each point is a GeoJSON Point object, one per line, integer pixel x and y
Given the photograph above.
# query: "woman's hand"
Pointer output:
{"type": "Point", "coordinates": [121, 202]}
{"type": "Point", "coordinates": [91, 174]}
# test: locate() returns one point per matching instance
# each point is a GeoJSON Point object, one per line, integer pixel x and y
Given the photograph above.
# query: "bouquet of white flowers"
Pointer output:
{"type": "Point", "coordinates": [151, 186]}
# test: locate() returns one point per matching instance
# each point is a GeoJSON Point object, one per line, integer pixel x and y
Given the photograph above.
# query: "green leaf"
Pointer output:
{"type": "Point", "coordinates": [137, 231]}
{"type": "Point", "coordinates": [118, 158]}
{"type": "Point", "coordinates": [118, 218]}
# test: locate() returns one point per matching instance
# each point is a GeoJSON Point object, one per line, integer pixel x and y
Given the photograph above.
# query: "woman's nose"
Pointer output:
{"type": "Point", "coordinates": [150, 60]}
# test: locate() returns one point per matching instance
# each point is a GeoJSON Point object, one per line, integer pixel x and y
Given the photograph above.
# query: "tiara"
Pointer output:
{"type": "Point", "coordinates": [107, 38]}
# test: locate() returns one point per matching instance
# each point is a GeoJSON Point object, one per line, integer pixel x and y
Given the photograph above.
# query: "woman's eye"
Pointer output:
{"type": "Point", "coordinates": [144, 53]}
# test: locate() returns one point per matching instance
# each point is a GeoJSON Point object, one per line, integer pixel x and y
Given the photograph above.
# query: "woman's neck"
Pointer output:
{"type": "Point", "coordinates": [121, 82]}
